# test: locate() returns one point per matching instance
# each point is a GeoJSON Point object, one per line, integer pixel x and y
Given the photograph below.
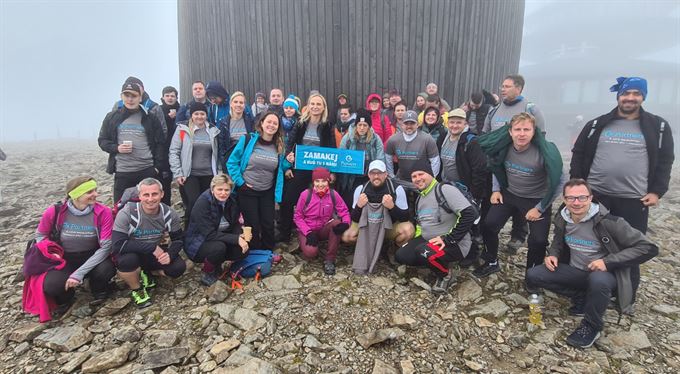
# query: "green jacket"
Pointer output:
{"type": "Point", "coordinates": [496, 144]}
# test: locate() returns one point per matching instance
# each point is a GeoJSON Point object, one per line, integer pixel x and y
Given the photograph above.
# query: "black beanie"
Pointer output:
{"type": "Point", "coordinates": [365, 114]}
{"type": "Point", "coordinates": [422, 164]}
{"type": "Point", "coordinates": [196, 106]}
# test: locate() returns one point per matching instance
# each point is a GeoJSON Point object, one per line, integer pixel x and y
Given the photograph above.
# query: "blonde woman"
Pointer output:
{"type": "Point", "coordinates": [232, 127]}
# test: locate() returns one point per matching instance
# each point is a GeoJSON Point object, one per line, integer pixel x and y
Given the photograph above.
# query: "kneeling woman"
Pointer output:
{"type": "Point", "coordinates": [315, 221]}
{"type": "Point", "coordinates": [82, 227]}
{"type": "Point", "coordinates": [214, 234]}
{"type": "Point", "coordinates": [257, 166]}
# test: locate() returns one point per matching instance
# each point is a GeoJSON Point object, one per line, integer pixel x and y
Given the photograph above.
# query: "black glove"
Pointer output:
{"type": "Point", "coordinates": [312, 239]}
{"type": "Point", "coordinates": [340, 228]}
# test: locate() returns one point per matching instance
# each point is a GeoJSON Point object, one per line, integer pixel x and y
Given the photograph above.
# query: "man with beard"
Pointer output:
{"type": "Point", "coordinates": [626, 156]}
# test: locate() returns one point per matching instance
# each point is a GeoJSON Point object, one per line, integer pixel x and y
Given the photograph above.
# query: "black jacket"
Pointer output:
{"type": "Point", "coordinates": [155, 136]}
{"type": "Point", "coordinates": [205, 222]}
{"type": "Point", "coordinates": [324, 130]}
{"type": "Point", "coordinates": [659, 148]}
{"type": "Point", "coordinates": [471, 165]}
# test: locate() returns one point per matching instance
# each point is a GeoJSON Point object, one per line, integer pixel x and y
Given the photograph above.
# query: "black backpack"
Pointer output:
{"type": "Point", "coordinates": [310, 191]}
{"type": "Point", "coordinates": [390, 188]}
{"type": "Point", "coordinates": [55, 231]}
{"type": "Point", "coordinates": [441, 200]}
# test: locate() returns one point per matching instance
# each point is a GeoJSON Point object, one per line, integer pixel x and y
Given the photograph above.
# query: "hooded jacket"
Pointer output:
{"type": "Point", "coordinates": [658, 138]}
{"type": "Point", "coordinates": [471, 164]}
{"type": "Point", "coordinates": [217, 112]}
{"type": "Point", "coordinates": [437, 130]}
{"type": "Point", "coordinates": [205, 222]}
{"type": "Point", "coordinates": [181, 150]}
{"type": "Point", "coordinates": [224, 143]}
{"type": "Point", "coordinates": [155, 137]}
{"type": "Point", "coordinates": [313, 216]}
{"type": "Point", "coordinates": [379, 122]}
{"type": "Point", "coordinates": [624, 246]}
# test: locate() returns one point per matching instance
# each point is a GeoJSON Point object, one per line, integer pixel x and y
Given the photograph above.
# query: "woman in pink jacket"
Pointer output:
{"type": "Point", "coordinates": [315, 218]}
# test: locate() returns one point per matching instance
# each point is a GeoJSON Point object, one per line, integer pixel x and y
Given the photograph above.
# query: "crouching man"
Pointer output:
{"type": "Point", "coordinates": [147, 239]}
{"type": "Point", "coordinates": [590, 259]}
{"type": "Point", "coordinates": [379, 213]}
{"type": "Point", "coordinates": [444, 218]}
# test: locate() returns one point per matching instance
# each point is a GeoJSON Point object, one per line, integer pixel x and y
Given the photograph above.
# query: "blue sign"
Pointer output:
{"type": "Point", "coordinates": [336, 160]}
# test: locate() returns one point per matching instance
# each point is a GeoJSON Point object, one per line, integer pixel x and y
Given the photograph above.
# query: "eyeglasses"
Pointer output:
{"type": "Point", "coordinates": [582, 198]}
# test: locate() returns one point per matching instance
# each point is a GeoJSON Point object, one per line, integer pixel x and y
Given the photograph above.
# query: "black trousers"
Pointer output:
{"type": "Point", "coordinates": [416, 252]}
{"type": "Point", "coordinates": [499, 214]}
{"type": "Point", "coordinates": [291, 193]}
{"type": "Point", "coordinates": [99, 277]}
{"type": "Point", "coordinates": [216, 252]}
{"type": "Point", "coordinates": [258, 212]}
{"type": "Point", "coordinates": [166, 181]}
{"type": "Point", "coordinates": [128, 262]}
{"type": "Point", "coordinates": [636, 214]}
{"type": "Point", "coordinates": [596, 287]}
{"type": "Point", "coordinates": [192, 189]}
{"type": "Point", "coordinates": [125, 180]}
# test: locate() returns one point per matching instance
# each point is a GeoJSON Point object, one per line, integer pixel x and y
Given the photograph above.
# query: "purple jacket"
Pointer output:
{"type": "Point", "coordinates": [318, 212]}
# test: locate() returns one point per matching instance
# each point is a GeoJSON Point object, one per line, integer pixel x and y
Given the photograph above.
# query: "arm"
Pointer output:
{"type": "Point", "coordinates": [341, 208]}
{"type": "Point", "coordinates": [105, 142]}
{"type": "Point", "coordinates": [299, 215]}
{"type": "Point", "coordinates": [557, 193]}
{"type": "Point", "coordinates": [45, 226]}
{"type": "Point", "coordinates": [578, 153]}
{"type": "Point", "coordinates": [538, 115]}
{"type": "Point", "coordinates": [477, 161]}
{"type": "Point", "coordinates": [462, 228]}
{"type": "Point", "coordinates": [635, 247]}
{"type": "Point", "coordinates": [174, 155]}
{"type": "Point", "coordinates": [356, 211]}
{"type": "Point", "coordinates": [664, 164]}
{"type": "Point", "coordinates": [557, 243]}
{"type": "Point", "coordinates": [433, 155]}
{"type": "Point", "coordinates": [234, 162]}
{"type": "Point", "coordinates": [400, 211]}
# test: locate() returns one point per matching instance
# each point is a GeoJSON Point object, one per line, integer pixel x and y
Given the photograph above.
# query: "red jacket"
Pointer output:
{"type": "Point", "coordinates": [380, 123]}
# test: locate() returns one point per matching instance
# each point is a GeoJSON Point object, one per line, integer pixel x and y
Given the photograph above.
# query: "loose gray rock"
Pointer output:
{"type": "Point", "coordinates": [110, 359]}
{"type": "Point", "coordinates": [220, 351]}
{"type": "Point", "coordinates": [281, 282]}
{"type": "Point", "coordinates": [403, 321]}
{"type": "Point", "coordinates": [27, 332]}
{"type": "Point", "coordinates": [164, 338]}
{"type": "Point", "coordinates": [634, 339]}
{"type": "Point", "coordinates": [127, 334]}
{"type": "Point", "coordinates": [252, 366]}
{"type": "Point", "coordinates": [666, 310]}
{"type": "Point", "coordinates": [494, 308]}
{"type": "Point", "coordinates": [420, 283]}
{"type": "Point", "coordinates": [112, 307]}
{"type": "Point", "coordinates": [218, 292]}
{"type": "Point", "coordinates": [64, 339]}
{"type": "Point", "coordinates": [164, 357]}
{"type": "Point", "coordinates": [75, 361]}
{"type": "Point", "coordinates": [469, 291]}
{"type": "Point", "coordinates": [379, 336]}
{"type": "Point", "coordinates": [380, 367]}
{"type": "Point", "coordinates": [244, 319]}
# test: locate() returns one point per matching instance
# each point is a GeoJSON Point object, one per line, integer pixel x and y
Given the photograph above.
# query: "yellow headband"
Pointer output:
{"type": "Point", "coordinates": [82, 189]}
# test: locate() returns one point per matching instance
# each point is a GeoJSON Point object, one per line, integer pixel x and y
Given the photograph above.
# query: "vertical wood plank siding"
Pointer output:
{"type": "Point", "coordinates": [349, 46]}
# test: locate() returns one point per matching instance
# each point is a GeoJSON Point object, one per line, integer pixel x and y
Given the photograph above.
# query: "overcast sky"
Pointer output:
{"type": "Point", "coordinates": [63, 62]}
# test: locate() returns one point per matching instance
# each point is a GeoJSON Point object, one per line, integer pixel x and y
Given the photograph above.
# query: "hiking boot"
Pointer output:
{"type": "Point", "coordinates": [487, 269]}
{"type": "Point", "coordinates": [329, 268]}
{"type": "Point", "coordinates": [208, 279]}
{"type": "Point", "coordinates": [441, 285]}
{"type": "Point", "coordinates": [531, 289]}
{"type": "Point", "coordinates": [147, 280]}
{"type": "Point", "coordinates": [584, 336]}
{"type": "Point", "coordinates": [140, 297]}
{"type": "Point", "coordinates": [514, 245]}
{"type": "Point", "coordinates": [471, 259]}
{"type": "Point", "coordinates": [578, 306]}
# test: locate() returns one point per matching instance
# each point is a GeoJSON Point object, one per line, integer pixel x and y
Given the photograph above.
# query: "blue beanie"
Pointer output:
{"type": "Point", "coordinates": [624, 84]}
{"type": "Point", "coordinates": [291, 102]}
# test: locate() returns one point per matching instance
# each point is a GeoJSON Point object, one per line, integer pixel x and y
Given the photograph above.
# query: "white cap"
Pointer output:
{"type": "Point", "coordinates": [377, 165]}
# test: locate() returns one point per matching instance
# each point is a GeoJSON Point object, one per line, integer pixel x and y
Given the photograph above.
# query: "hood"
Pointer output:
{"type": "Point", "coordinates": [595, 210]}
{"type": "Point", "coordinates": [215, 88]}
{"type": "Point", "coordinates": [373, 96]}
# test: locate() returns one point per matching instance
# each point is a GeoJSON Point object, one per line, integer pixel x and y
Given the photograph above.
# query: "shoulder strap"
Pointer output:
{"type": "Point", "coordinates": [661, 130]}
{"type": "Point", "coordinates": [492, 112]}
{"type": "Point", "coordinates": [390, 188]}
{"type": "Point", "coordinates": [530, 107]}
{"type": "Point", "coordinates": [134, 218]}
{"type": "Point", "coordinates": [332, 192]}
{"type": "Point", "coordinates": [55, 232]}
{"type": "Point", "coordinates": [167, 217]}
{"type": "Point", "coordinates": [363, 189]}
{"type": "Point", "coordinates": [309, 196]}
{"type": "Point", "coordinates": [441, 199]}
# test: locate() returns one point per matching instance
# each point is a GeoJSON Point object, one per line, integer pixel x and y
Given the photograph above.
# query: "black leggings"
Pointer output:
{"type": "Point", "coordinates": [258, 212]}
{"type": "Point", "coordinates": [125, 180]}
{"type": "Point", "coordinates": [417, 253]}
{"type": "Point", "coordinates": [193, 188]}
{"type": "Point", "coordinates": [129, 262]}
{"type": "Point", "coordinates": [291, 193]}
{"type": "Point", "coordinates": [99, 277]}
{"type": "Point", "coordinates": [216, 252]}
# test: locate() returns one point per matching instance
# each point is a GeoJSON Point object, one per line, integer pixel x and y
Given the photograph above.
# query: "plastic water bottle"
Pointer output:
{"type": "Point", "coordinates": [535, 314]}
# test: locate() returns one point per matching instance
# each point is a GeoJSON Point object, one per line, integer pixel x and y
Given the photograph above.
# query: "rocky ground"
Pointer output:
{"type": "Point", "coordinates": [299, 320]}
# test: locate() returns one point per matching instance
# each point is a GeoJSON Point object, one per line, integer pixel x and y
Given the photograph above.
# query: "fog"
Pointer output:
{"type": "Point", "coordinates": [63, 62]}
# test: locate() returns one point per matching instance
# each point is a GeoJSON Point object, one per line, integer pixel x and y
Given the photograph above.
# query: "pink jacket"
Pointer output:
{"type": "Point", "coordinates": [318, 212]}
{"type": "Point", "coordinates": [39, 259]}
{"type": "Point", "coordinates": [102, 218]}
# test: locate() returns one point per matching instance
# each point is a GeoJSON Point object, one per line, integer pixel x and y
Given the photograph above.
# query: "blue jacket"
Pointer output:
{"type": "Point", "coordinates": [224, 143]}
{"type": "Point", "coordinates": [238, 162]}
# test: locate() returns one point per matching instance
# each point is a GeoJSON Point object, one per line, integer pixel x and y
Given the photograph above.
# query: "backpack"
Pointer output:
{"type": "Point", "coordinates": [390, 188]}
{"type": "Point", "coordinates": [130, 194]}
{"type": "Point", "coordinates": [134, 217]}
{"type": "Point", "coordinates": [258, 261]}
{"type": "Point", "coordinates": [441, 200]}
{"type": "Point", "coordinates": [310, 191]}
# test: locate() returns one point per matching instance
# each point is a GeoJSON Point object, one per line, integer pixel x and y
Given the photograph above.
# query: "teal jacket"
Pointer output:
{"type": "Point", "coordinates": [238, 162]}
{"type": "Point", "coordinates": [495, 145]}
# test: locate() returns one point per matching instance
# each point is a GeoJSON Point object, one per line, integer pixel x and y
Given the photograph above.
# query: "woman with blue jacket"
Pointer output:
{"type": "Point", "coordinates": [257, 166]}
{"type": "Point", "coordinates": [193, 156]}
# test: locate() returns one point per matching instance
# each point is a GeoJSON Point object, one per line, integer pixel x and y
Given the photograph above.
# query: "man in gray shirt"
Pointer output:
{"type": "Point", "coordinates": [444, 217]}
{"type": "Point", "coordinates": [589, 260]}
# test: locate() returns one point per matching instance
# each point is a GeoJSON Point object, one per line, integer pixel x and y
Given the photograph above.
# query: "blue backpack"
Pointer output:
{"type": "Point", "coordinates": [258, 260]}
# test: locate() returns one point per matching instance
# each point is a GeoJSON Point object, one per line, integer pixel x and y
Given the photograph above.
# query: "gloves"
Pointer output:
{"type": "Point", "coordinates": [340, 228]}
{"type": "Point", "coordinates": [312, 239]}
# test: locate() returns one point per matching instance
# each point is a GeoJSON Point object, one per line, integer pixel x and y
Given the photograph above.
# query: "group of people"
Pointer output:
{"type": "Point", "coordinates": [439, 182]}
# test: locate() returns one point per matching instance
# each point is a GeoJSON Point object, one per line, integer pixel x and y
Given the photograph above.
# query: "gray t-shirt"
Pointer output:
{"type": "Point", "coordinates": [448, 157]}
{"type": "Point", "coordinates": [621, 163]}
{"type": "Point", "coordinates": [78, 233]}
{"type": "Point", "coordinates": [150, 228]}
{"type": "Point", "coordinates": [505, 113]}
{"type": "Point", "coordinates": [141, 158]}
{"type": "Point", "coordinates": [311, 136]}
{"type": "Point", "coordinates": [201, 153]}
{"type": "Point", "coordinates": [434, 221]}
{"type": "Point", "coordinates": [261, 167]}
{"type": "Point", "coordinates": [526, 173]}
{"type": "Point", "coordinates": [422, 147]}
{"type": "Point", "coordinates": [237, 128]}
{"type": "Point", "coordinates": [584, 244]}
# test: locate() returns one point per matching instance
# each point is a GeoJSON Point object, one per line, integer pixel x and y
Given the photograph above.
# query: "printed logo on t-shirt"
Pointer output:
{"type": "Point", "coordinates": [582, 245]}
{"type": "Point", "coordinates": [376, 217]}
{"type": "Point", "coordinates": [265, 154]}
{"type": "Point", "coordinates": [147, 234]}
{"type": "Point", "coordinates": [520, 169]}
{"type": "Point", "coordinates": [77, 231]}
{"type": "Point", "coordinates": [407, 155]}
{"type": "Point", "coordinates": [622, 137]}
{"type": "Point", "coordinates": [448, 153]}
{"type": "Point", "coordinates": [130, 128]}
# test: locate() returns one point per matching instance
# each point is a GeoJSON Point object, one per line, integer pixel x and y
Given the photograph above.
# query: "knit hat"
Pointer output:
{"type": "Point", "coordinates": [260, 94]}
{"type": "Point", "coordinates": [321, 172]}
{"type": "Point", "coordinates": [363, 115]}
{"type": "Point", "coordinates": [422, 165]}
{"type": "Point", "coordinates": [168, 89]}
{"type": "Point", "coordinates": [131, 87]}
{"type": "Point", "coordinates": [291, 102]}
{"type": "Point", "coordinates": [196, 106]}
{"type": "Point", "coordinates": [633, 83]}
